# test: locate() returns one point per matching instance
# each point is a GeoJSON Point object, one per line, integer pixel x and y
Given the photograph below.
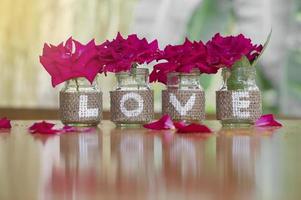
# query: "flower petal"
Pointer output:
{"type": "Point", "coordinates": [180, 124]}
{"type": "Point", "coordinates": [194, 128]}
{"type": "Point", "coordinates": [164, 123]}
{"type": "Point", "coordinates": [5, 123]}
{"type": "Point", "coordinates": [43, 128]}
{"type": "Point", "coordinates": [267, 120]}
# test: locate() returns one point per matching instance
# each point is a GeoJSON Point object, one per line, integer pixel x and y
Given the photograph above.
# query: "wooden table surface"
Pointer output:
{"type": "Point", "coordinates": [140, 164]}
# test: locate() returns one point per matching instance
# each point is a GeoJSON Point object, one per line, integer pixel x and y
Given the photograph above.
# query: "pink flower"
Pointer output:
{"type": "Point", "coordinates": [194, 128]}
{"type": "Point", "coordinates": [182, 58]}
{"type": "Point", "coordinates": [225, 51]}
{"type": "Point", "coordinates": [164, 123]}
{"type": "Point", "coordinates": [5, 123]}
{"type": "Point", "coordinates": [43, 128]}
{"type": "Point", "coordinates": [267, 120]}
{"type": "Point", "coordinates": [71, 60]}
{"type": "Point", "coordinates": [120, 54]}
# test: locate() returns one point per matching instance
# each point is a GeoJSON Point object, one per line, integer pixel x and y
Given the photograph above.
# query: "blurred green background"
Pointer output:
{"type": "Point", "coordinates": [26, 25]}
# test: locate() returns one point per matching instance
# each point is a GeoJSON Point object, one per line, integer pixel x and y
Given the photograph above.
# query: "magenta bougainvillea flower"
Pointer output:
{"type": "Point", "coordinates": [164, 123]}
{"type": "Point", "coordinates": [120, 54]}
{"type": "Point", "coordinates": [266, 121]}
{"type": "Point", "coordinates": [5, 123]}
{"type": "Point", "coordinates": [43, 128]}
{"type": "Point", "coordinates": [71, 60]}
{"type": "Point", "coordinates": [182, 58]}
{"type": "Point", "coordinates": [225, 51]}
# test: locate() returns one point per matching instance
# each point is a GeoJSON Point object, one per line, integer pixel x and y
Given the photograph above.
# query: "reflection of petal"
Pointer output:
{"type": "Point", "coordinates": [168, 136]}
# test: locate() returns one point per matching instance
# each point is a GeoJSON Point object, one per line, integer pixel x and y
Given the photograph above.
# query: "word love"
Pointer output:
{"type": "Point", "coordinates": [81, 107]}
{"type": "Point", "coordinates": [184, 104]}
{"type": "Point", "coordinates": [132, 106]}
{"type": "Point", "coordinates": [238, 105]}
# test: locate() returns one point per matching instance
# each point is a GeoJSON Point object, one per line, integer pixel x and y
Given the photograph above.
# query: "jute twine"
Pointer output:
{"type": "Point", "coordinates": [70, 107]}
{"type": "Point", "coordinates": [247, 107]}
{"type": "Point", "coordinates": [132, 107]}
{"type": "Point", "coordinates": [194, 112]}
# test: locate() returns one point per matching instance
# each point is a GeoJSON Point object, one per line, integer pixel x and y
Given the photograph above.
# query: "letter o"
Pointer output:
{"type": "Point", "coordinates": [135, 112]}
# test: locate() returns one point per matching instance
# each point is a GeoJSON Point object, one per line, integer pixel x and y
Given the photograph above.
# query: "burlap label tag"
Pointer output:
{"type": "Point", "coordinates": [80, 107]}
{"type": "Point", "coordinates": [184, 104]}
{"type": "Point", "coordinates": [135, 106]}
{"type": "Point", "coordinates": [238, 105]}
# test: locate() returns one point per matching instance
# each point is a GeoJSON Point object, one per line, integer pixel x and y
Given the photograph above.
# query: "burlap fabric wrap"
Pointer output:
{"type": "Point", "coordinates": [70, 107]}
{"type": "Point", "coordinates": [247, 105]}
{"type": "Point", "coordinates": [188, 105]}
{"type": "Point", "coordinates": [132, 107]}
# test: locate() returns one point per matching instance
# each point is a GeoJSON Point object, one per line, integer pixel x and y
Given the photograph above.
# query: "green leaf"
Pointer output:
{"type": "Point", "coordinates": [239, 76]}
{"type": "Point", "coordinates": [243, 62]}
{"type": "Point", "coordinates": [264, 47]}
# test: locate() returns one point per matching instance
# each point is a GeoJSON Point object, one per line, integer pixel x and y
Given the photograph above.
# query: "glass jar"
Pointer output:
{"type": "Point", "coordinates": [132, 102]}
{"type": "Point", "coordinates": [238, 102]}
{"type": "Point", "coordinates": [81, 103]}
{"type": "Point", "coordinates": [184, 98]}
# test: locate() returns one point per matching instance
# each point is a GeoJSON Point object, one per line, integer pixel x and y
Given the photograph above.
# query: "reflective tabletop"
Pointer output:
{"type": "Point", "coordinates": [110, 163]}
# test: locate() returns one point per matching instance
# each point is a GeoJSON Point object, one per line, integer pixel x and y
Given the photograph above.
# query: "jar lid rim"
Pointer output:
{"type": "Point", "coordinates": [184, 73]}
{"type": "Point", "coordinates": [134, 70]}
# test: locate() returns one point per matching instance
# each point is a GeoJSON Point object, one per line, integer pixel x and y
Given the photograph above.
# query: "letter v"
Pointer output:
{"type": "Point", "coordinates": [182, 110]}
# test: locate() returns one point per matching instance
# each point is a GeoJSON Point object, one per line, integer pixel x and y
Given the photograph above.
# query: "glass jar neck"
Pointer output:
{"type": "Point", "coordinates": [184, 81]}
{"type": "Point", "coordinates": [80, 84]}
{"type": "Point", "coordinates": [135, 79]}
{"type": "Point", "coordinates": [239, 78]}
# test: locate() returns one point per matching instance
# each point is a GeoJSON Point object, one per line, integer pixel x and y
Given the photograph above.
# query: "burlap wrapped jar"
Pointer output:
{"type": "Point", "coordinates": [80, 103]}
{"type": "Point", "coordinates": [184, 98]}
{"type": "Point", "coordinates": [238, 102]}
{"type": "Point", "coordinates": [132, 103]}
